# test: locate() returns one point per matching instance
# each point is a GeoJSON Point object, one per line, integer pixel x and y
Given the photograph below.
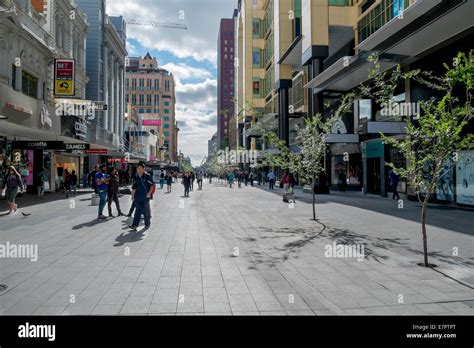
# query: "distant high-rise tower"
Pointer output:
{"type": "Point", "coordinates": [225, 81]}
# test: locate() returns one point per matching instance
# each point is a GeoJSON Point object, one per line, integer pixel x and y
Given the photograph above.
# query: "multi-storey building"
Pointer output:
{"type": "Point", "coordinates": [225, 80]}
{"type": "Point", "coordinates": [212, 145]}
{"type": "Point", "coordinates": [32, 129]}
{"type": "Point", "coordinates": [315, 51]}
{"type": "Point", "coordinates": [106, 52]}
{"type": "Point", "coordinates": [151, 93]}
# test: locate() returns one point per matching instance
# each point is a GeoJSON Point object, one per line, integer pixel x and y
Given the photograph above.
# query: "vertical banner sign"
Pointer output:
{"type": "Point", "coordinates": [64, 77]}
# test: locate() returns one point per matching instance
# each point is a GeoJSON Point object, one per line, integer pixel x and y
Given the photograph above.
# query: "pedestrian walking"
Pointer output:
{"type": "Point", "coordinates": [102, 181]}
{"type": "Point", "coordinates": [291, 183]}
{"type": "Point", "coordinates": [162, 180]}
{"type": "Point", "coordinates": [230, 178]}
{"type": "Point", "coordinates": [193, 177]}
{"type": "Point", "coordinates": [142, 195]}
{"type": "Point", "coordinates": [169, 182]}
{"type": "Point", "coordinates": [342, 181]}
{"type": "Point", "coordinates": [251, 178]}
{"type": "Point", "coordinates": [240, 179]}
{"type": "Point", "coordinates": [91, 178]}
{"type": "Point", "coordinates": [199, 177]}
{"type": "Point", "coordinates": [12, 183]}
{"type": "Point", "coordinates": [285, 180]}
{"type": "Point", "coordinates": [113, 192]}
{"type": "Point", "coordinates": [41, 179]}
{"type": "Point", "coordinates": [65, 180]}
{"type": "Point", "coordinates": [394, 179]}
{"type": "Point", "coordinates": [71, 184]}
{"type": "Point", "coordinates": [271, 180]}
{"type": "Point", "coordinates": [187, 183]}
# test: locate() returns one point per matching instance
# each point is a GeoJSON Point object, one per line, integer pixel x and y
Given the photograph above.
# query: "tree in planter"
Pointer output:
{"type": "Point", "coordinates": [438, 133]}
{"type": "Point", "coordinates": [308, 164]}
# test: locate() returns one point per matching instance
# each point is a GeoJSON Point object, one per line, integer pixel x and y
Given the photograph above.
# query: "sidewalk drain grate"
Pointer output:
{"type": "Point", "coordinates": [3, 288]}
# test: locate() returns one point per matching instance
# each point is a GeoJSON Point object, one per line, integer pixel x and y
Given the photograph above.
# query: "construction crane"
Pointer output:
{"type": "Point", "coordinates": [167, 25]}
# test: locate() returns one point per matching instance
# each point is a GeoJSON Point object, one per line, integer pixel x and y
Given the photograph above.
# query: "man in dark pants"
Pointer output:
{"type": "Point", "coordinates": [113, 192]}
{"type": "Point", "coordinates": [394, 183]}
{"type": "Point", "coordinates": [142, 196]}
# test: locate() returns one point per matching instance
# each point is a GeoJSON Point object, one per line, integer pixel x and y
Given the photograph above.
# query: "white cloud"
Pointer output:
{"type": "Point", "coordinates": [196, 107]}
{"type": "Point", "coordinates": [201, 17]}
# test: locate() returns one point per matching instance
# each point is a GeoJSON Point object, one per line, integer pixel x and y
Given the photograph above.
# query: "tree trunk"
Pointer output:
{"type": "Point", "coordinates": [423, 230]}
{"type": "Point", "coordinates": [314, 199]}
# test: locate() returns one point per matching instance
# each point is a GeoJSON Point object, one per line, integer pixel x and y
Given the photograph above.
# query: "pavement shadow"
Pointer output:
{"type": "Point", "coordinates": [130, 237]}
{"type": "Point", "coordinates": [88, 224]}
{"type": "Point", "coordinates": [388, 207]}
{"type": "Point", "coordinates": [445, 258]}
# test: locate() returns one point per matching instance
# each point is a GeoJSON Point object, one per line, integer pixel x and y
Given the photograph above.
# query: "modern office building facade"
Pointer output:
{"type": "Point", "coordinates": [225, 80]}
{"type": "Point", "coordinates": [319, 52]}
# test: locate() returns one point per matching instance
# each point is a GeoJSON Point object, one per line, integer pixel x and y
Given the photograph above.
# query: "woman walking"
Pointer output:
{"type": "Point", "coordinates": [169, 181]}
{"type": "Point", "coordinates": [11, 183]}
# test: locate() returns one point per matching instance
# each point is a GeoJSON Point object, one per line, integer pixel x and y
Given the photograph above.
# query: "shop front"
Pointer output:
{"type": "Point", "coordinates": [373, 159]}
{"type": "Point", "coordinates": [32, 157]}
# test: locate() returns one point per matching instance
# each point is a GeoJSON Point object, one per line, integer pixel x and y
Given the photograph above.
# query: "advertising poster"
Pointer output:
{"type": "Point", "coordinates": [465, 178]}
{"type": "Point", "coordinates": [445, 186]}
{"type": "Point", "coordinates": [64, 77]}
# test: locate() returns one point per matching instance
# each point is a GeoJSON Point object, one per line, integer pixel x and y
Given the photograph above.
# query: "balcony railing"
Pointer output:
{"type": "Point", "coordinates": [380, 15]}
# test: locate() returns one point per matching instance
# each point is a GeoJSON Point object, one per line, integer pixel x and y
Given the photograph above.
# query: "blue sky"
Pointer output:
{"type": "Point", "coordinates": [191, 55]}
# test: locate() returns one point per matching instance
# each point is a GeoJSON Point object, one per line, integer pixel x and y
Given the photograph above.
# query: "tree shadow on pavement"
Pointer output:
{"type": "Point", "coordinates": [445, 258]}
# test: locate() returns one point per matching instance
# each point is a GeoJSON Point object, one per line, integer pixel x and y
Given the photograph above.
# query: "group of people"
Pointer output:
{"type": "Point", "coordinates": [188, 181]}
{"type": "Point", "coordinates": [106, 184]}
{"type": "Point", "coordinates": [168, 178]}
{"type": "Point", "coordinates": [69, 180]}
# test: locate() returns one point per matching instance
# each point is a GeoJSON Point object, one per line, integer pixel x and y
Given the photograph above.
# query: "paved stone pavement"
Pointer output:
{"type": "Point", "coordinates": [237, 252]}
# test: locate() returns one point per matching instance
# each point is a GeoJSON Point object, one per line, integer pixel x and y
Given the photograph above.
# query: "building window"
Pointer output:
{"type": "Point", "coordinates": [29, 85]}
{"type": "Point", "coordinates": [167, 134]}
{"type": "Point", "coordinates": [167, 118]}
{"type": "Point", "coordinates": [365, 110]}
{"type": "Point", "coordinates": [141, 111]}
{"type": "Point", "coordinates": [167, 125]}
{"type": "Point", "coordinates": [157, 84]}
{"type": "Point", "coordinates": [257, 28]}
{"type": "Point", "coordinates": [167, 85]}
{"type": "Point", "coordinates": [142, 99]}
{"type": "Point", "coordinates": [166, 111]}
{"type": "Point", "coordinates": [157, 99]}
{"type": "Point", "coordinates": [134, 99]}
{"type": "Point", "coordinates": [257, 58]}
{"type": "Point", "coordinates": [167, 103]}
